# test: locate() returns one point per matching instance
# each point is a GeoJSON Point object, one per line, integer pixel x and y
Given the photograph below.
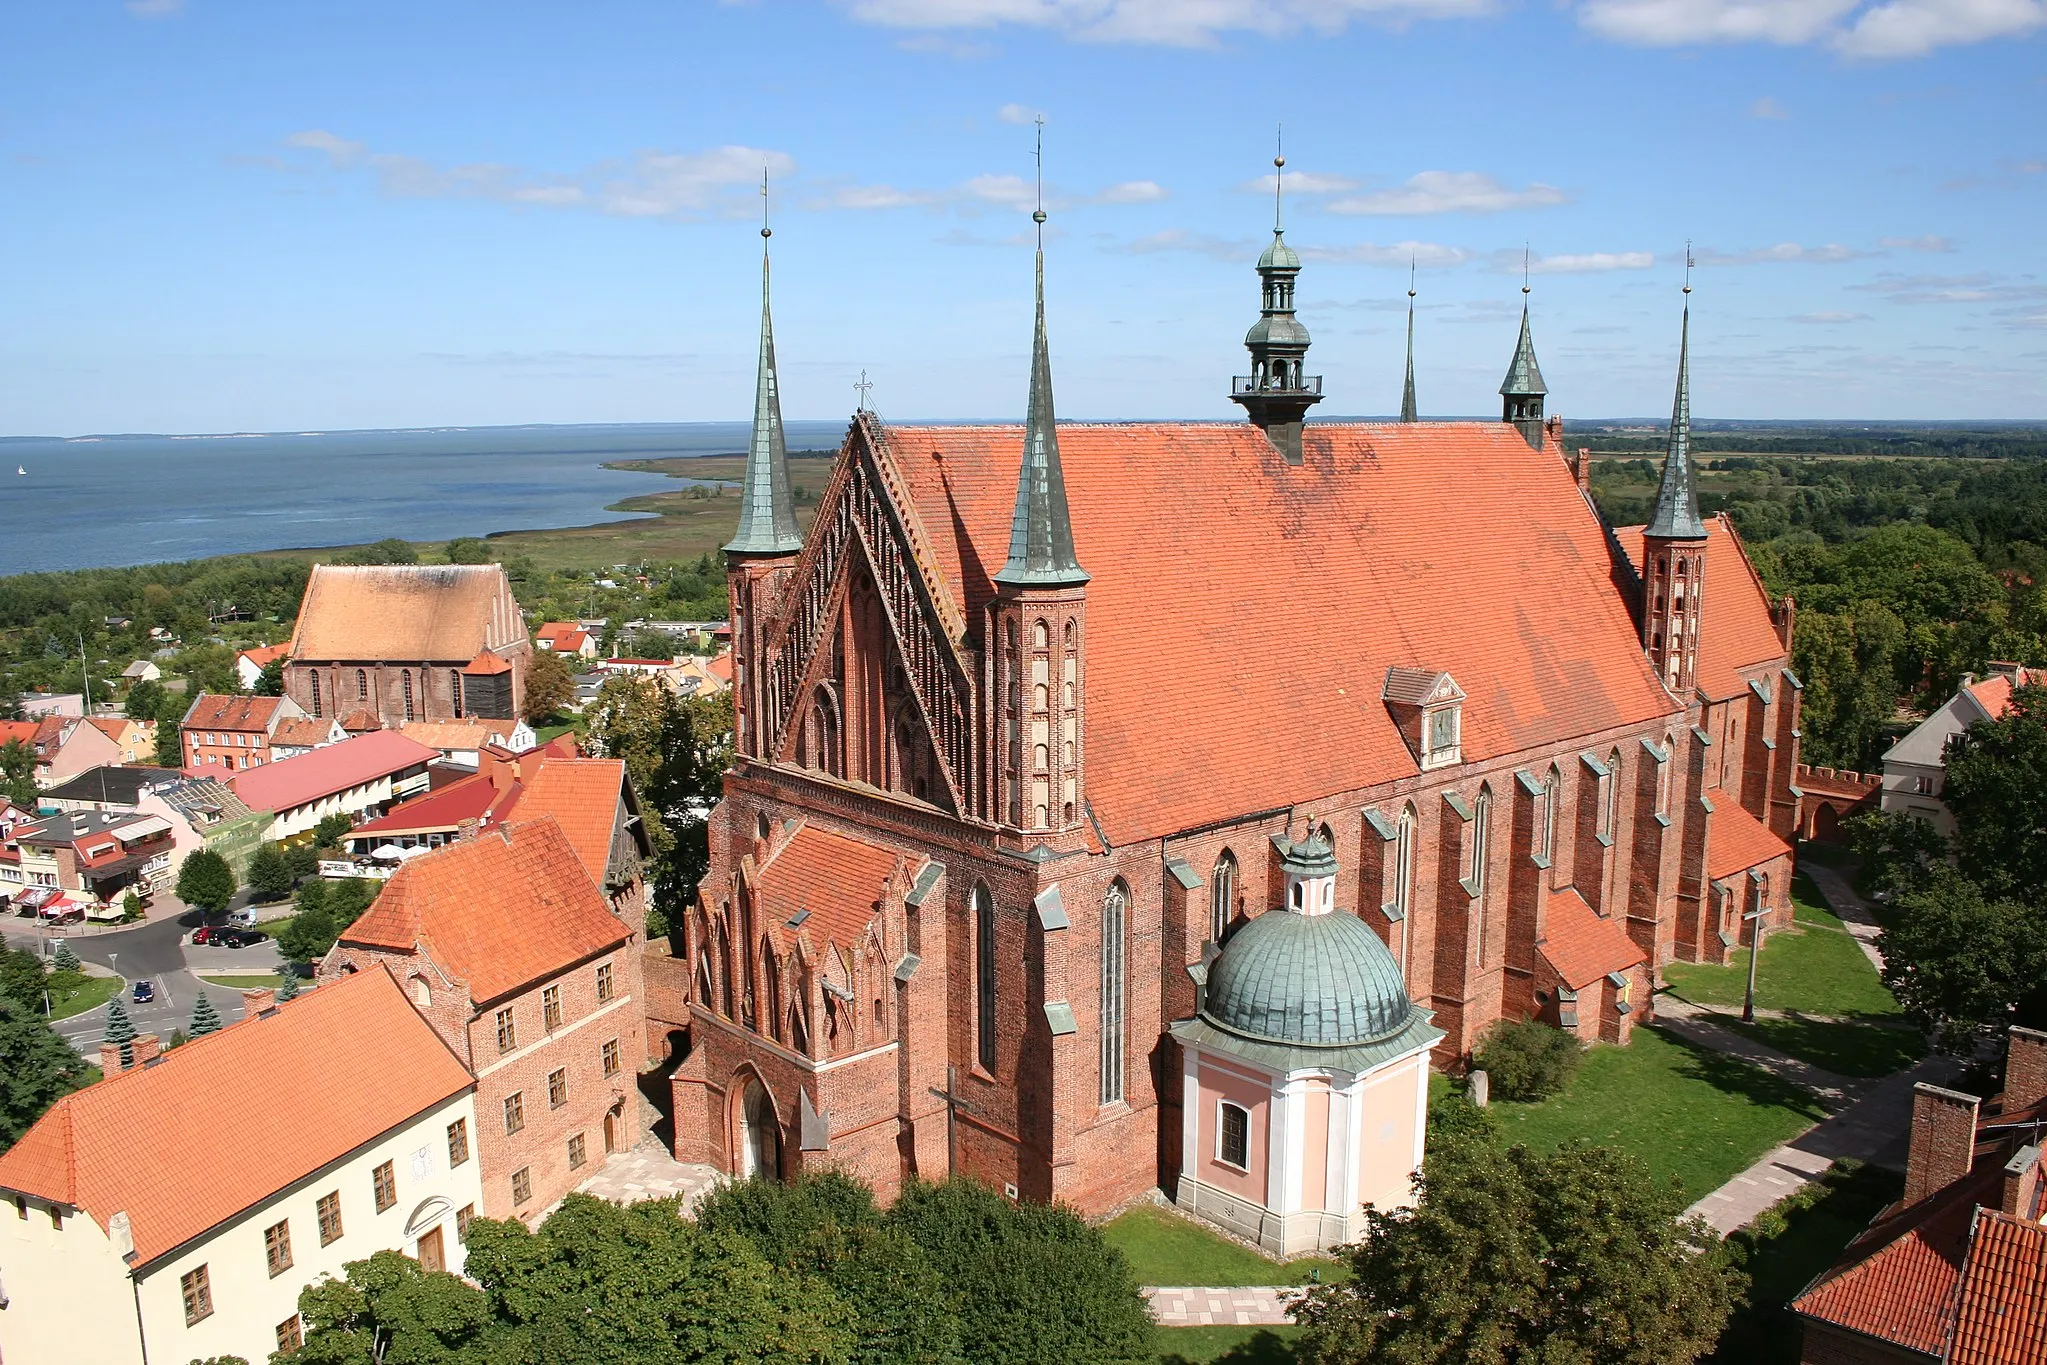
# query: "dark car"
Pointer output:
{"type": "Point", "coordinates": [143, 993]}
{"type": "Point", "coordinates": [223, 936]}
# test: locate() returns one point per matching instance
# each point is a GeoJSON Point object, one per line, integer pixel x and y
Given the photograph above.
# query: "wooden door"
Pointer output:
{"type": "Point", "coordinates": [430, 1257]}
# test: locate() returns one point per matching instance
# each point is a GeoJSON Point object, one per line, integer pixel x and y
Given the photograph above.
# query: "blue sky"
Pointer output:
{"type": "Point", "coordinates": [239, 215]}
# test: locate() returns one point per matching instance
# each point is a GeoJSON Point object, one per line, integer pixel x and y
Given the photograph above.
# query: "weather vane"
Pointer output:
{"type": "Point", "coordinates": [1278, 175]}
{"type": "Point", "coordinates": [1413, 259]}
{"type": "Point", "coordinates": [1524, 268]}
{"type": "Point", "coordinates": [766, 231]}
{"type": "Point", "coordinates": [1688, 265]}
{"type": "Point", "coordinates": [1038, 213]}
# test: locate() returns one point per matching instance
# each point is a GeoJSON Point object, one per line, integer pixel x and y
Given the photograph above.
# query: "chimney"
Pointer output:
{"type": "Point", "coordinates": [146, 1048]}
{"type": "Point", "coordinates": [1787, 619]}
{"type": "Point", "coordinates": [2021, 1183]}
{"type": "Point", "coordinates": [110, 1059]}
{"type": "Point", "coordinates": [2005, 670]}
{"type": "Point", "coordinates": [2025, 1068]}
{"type": "Point", "coordinates": [1553, 432]}
{"type": "Point", "coordinates": [256, 1001]}
{"type": "Point", "coordinates": [1943, 1140]}
{"type": "Point", "coordinates": [1581, 469]}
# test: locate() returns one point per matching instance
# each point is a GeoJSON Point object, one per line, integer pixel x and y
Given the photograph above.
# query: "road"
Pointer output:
{"type": "Point", "coordinates": [157, 953]}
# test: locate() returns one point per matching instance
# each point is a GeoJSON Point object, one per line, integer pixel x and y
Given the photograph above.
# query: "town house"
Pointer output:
{"type": "Point", "coordinates": [357, 777]}
{"type": "Point", "coordinates": [229, 732]}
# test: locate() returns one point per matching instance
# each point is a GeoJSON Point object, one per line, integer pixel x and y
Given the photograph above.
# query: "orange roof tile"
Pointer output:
{"type": "Point", "coordinates": [456, 734]}
{"type": "Point", "coordinates": [1441, 545]}
{"type": "Point", "coordinates": [231, 711]}
{"type": "Point", "coordinates": [1735, 629]}
{"type": "Point", "coordinates": [500, 911]}
{"type": "Point", "coordinates": [361, 721]}
{"type": "Point", "coordinates": [470, 798]}
{"type": "Point", "coordinates": [306, 731]}
{"type": "Point", "coordinates": [583, 795]}
{"type": "Point", "coordinates": [555, 630]}
{"type": "Point", "coordinates": [325, 1074]}
{"type": "Point", "coordinates": [1896, 1282]}
{"type": "Point", "coordinates": [292, 782]}
{"type": "Point", "coordinates": [264, 655]}
{"type": "Point", "coordinates": [485, 664]}
{"type": "Point", "coordinates": [1735, 840]}
{"type": "Point", "coordinates": [720, 666]}
{"type": "Point", "coordinates": [1583, 946]}
{"type": "Point", "coordinates": [416, 612]}
{"type": "Point", "coordinates": [836, 878]}
{"type": "Point", "coordinates": [17, 732]}
{"type": "Point", "coordinates": [2002, 1315]}
{"type": "Point", "coordinates": [1993, 694]}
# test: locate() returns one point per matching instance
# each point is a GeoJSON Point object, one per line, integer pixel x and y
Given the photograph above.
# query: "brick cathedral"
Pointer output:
{"type": "Point", "coordinates": [1037, 719]}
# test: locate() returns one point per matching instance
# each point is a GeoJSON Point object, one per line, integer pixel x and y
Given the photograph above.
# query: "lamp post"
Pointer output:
{"type": "Point", "coordinates": [1755, 919]}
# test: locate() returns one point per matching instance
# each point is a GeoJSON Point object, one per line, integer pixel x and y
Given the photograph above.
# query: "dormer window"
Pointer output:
{"type": "Point", "coordinates": [1442, 747]}
{"type": "Point", "coordinates": [1428, 707]}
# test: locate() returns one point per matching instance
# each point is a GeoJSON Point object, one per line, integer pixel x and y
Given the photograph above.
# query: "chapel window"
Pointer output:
{"type": "Point", "coordinates": [1552, 784]}
{"type": "Point", "coordinates": [1481, 855]}
{"type": "Point", "coordinates": [362, 685]}
{"type": "Point", "coordinates": [1039, 638]}
{"type": "Point", "coordinates": [984, 972]}
{"type": "Point", "coordinates": [314, 678]}
{"type": "Point", "coordinates": [405, 678]}
{"type": "Point", "coordinates": [1663, 775]}
{"type": "Point", "coordinates": [1233, 1136]}
{"type": "Point", "coordinates": [1222, 896]}
{"type": "Point", "coordinates": [1403, 862]}
{"type": "Point", "coordinates": [455, 690]}
{"type": "Point", "coordinates": [1609, 816]}
{"type": "Point", "coordinates": [1115, 915]}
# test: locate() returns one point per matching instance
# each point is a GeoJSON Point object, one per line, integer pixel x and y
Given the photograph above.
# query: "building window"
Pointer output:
{"type": "Point", "coordinates": [515, 1112]}
{"type": "Point", "coordinates": [1222, 896]}
{"type": "Point", "coordinates": [384, 1182]}
{"type": "Point", "coordinates": [1443, 735]}
{"type": "Point", "coordinates": [290, 1335]}
{"type": "Point", "coordinates": [405, 677]}
{"type": "Point", "coordinates": [329, 1209]}
{"type": "Point", "coordinates": [455, 690]}
{"type": "Point", "coordinates": [458, 1142]}
{"type": "Point", "coordinates": [315, 679]}
{"type": "Point", "coordinates": [1663, 775]}
{"type": "Point", "coordinates": [603, 982]}
{"type": "Point", "coordinates": [610, 1051]}
{"type": "Point", "coordinates": [1233, 1137]}
{"type": "Point", "coordinates": [1552, 786]}
{"type": "Point", "coordinates": [522, 1185]}
{"type": "Point", "coordinates": [362, 685]}
{"type": "Point", "coordinates": [1403, 862]}
{"type": "Point", "coordinates": [1115, 915]}
{"type": "Point", "coordinates": [198, 1291]}
{"type": "Point", "coordinates": [508, 1032]}
{"type": "Point", "coordinates": [984, 974]}
{"type": "Point", "coordinates": [463, 1217]}
{"type": "Point", "coordinates": [551, 1008]}
{"type": "Point", "coordinates": [557, 1087]}
{"type": "Point", "coordinates": [576, 1153]}
{"type": "Point", "coordinates": [1609, 815]}
{"type": "Point", "coordinates": [277, 1247]}
{"type": "Point", "coordinates": [1481, 840]}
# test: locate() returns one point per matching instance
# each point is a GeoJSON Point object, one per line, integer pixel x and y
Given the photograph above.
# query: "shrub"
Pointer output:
{"type": "Point", "coordinates": [1527, 1059]}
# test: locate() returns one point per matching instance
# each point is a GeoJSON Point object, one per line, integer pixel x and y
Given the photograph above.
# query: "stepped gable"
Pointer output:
{"type": "Point", "coordinates": [499, 911]}
{"type": "Point", "coordinates": [837, 879]}
{"type": "Point", "coordinates": [1736, 631]}
{"type": "Point", "coordinates": [1447, 545]}
{"type": "Point", "coordinates": [298, 1088]}
{"type": "Point", "coordinates": [415, 612]}
{"type": "Point", "coordinates": [1581, 946]}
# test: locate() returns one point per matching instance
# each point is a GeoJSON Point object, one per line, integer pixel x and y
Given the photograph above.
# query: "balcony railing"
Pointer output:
{"type": "Point", "coordinates": [1244, 383]}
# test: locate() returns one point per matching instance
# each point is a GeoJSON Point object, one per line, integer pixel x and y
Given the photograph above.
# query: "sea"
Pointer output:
{"type": "Point", "coordinates": [104, 501]}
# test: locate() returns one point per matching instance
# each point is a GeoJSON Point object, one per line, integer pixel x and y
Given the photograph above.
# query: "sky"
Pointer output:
{"type": "Point", "coordinates": [237, 215]}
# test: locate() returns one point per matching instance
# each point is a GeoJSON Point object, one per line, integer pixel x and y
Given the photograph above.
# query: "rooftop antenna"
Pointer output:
{"type": "Point", "coordinates": [1278, 176]}
{"type": "Point", "coordinates": [1038, 213]}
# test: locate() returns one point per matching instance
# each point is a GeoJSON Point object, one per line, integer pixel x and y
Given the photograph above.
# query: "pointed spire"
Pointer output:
{"type": "Point", "coordinates": [1408, 411]}
{"type": "Point", "coordinates": [767, 517]}
{"type": "Point", "coordinates": [1677, 501]}
{"type": "Point", "coordinates": [1041, 532]}
{"type": "Point", "coordinates": [1522, 391]}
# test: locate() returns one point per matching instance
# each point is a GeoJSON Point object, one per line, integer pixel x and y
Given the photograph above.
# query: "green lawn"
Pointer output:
{"type": "Point", "coordinates": [1811, 969]}
{"type": "Point", "coordinates": [1227, 1345]}
{"type": "Point", "coordinates": [1844, 1047]}
{"type": "Point", "coordinates": [1808, 906]}
{"type": "Point", "coordinates": [1687, 1111]}
{"type": "Point", "coordinates": [90, 993]}
{"type": "Point", "coordinates": [246, 983]}
{"type": "Point", "coordinates": [1164, 1248]}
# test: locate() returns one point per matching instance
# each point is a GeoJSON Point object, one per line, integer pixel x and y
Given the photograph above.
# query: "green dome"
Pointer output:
{"type": "Point", "coordinates": [1320, 980]}
{"type": "Point", "coordinates": [1279, 256]}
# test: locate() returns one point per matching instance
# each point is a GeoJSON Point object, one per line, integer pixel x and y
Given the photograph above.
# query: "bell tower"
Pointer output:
{"type": "Point", "coordinates": [1522, 391]}
{"type": "Point", "coordinates": [1674, 543]}
{"type": "Point", "coordinates": [1276, 396]}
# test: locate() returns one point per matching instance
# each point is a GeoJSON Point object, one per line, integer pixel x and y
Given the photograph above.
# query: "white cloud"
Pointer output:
{"type": "Point", "coordinates": [1856, 28]}
{"type": "Point", "coordinates": [1132, 192]}
{"type": "Point", "coordinates": [1829, 318]}
{"type": "Point", "coordinates": [1976, 288]}
{"type": "Point", "coordinates": [863, 197]}
{"type": "Point", "coordinates": [1580, 263]}
{"type": "Point", "coordinates": [1449, 192]}
{"type": "Point", "coordinates": [155, 9]}
{"type": "Point", "coordinates": [1928, 242]}
{"type": "Point", "coordinates": [1393, 254]}
{"type": "Point", "coordinates": [1176, 23]}
{"type": "Point", "coordinates": [1783, 253]}
{"type": "Point", "coordinates": [1768, 107]}
{"type": "Point", "coordinates": [1912, 28]}
{"type": "Point", "coordinates": [1197, 243]}
{"type": "Point", "coordinates": [1302, 182]}
{"type": "Point", "coordinates": [1018, 113]}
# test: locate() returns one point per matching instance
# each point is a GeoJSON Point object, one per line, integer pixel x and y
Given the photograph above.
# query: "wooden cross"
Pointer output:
{"type": "Point", "coordinates": [863, 388]}
{"type": "Point", "coordinates": [953, 1103]}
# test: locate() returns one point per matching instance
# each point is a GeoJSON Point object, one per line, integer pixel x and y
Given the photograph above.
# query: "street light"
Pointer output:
{"type": "Point", "coordinates": [1755, 951]}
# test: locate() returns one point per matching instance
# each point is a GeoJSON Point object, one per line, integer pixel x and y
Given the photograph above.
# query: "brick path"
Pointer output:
{"type": "Point", "coordinates": [1245, 1306]}
{"type": "Point", "coordinates": [649, 1172]}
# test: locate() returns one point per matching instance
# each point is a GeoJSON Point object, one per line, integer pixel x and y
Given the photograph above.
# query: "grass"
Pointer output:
{"type": "Point", "coordinates": [1842, 1046]}
{"type": "Point", "coordinates": [1785, 1248]}
{"type": "Point", "coordinates": [1808, 906]}
{"type": "Point", "coordinates": [90, 993]}
{"type": "Point", "coordinates": [1227, 1345]}
{"type": "Point", "coordinates": [1687, 1111]}
{"type": "Point", "coordinates": [1164, 1248]}
{"type": "Point", "coordinates": [1807, 969]}
{"type": "Point", "coordinates": [270, 980]}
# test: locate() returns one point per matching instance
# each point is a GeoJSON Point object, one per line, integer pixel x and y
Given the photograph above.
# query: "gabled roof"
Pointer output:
{"type": "Point", "coordinates": [232, 711]}
{"type": "Point", "coordinates": [500, 911]}
{"type": "Point", "coordinates": [115, 785]}
{"type": "Point", "coordinates": [474, 797]}
{"type": "Point", "coordinates": [1897, 1281]}
{"type": "Point", "coordinates": [836, 878]}
{"type": "Point", "coordinates": [421, 613]}
{"type": "Point", "coordinates": [584, 796]}
{"type": "Point", "coordinates": [17, 732]}
{"type": "Point", "coordinates": [1735, 840]}
{"type": "Point", "coordinates": [292, 782]}
{"type": "Point", "coordinates": [1450, 543]}
{"type": "Point", "coordinates": [1580, 945]}
{"type": "Point", "coordinates": [457, 734]}
{"type": "Point", "coordinates": [485, 664]}
{"type": "Point", "coordinates": [302, 732]}
{"type": "Point", "coordinates": [1993, 693]}
{"type": "Point", "coordinates": [361, 721]}
{"type": "Point", "coordinates": [1736, 631]}
{"type": "Point", "coordinates": [264, 655]}
{"type": "Point", "coordinates": [2001, 1318]}
{"type": "Point", "coordinates": [314, 1080]}
{"type": "Point", "coordinates": [557, 630]}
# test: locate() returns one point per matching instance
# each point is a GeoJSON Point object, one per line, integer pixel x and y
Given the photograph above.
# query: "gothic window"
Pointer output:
{"type": "Point", "coordinates": [1041, 697]}
{"type": "Point", "coordinates": [1552, 785]}
{"type": "Point", "coordinates": [1039, 638]}
{"type": "Point", "coordinates": [799, 1030]}
{"type": "Point", "coordinates": [405, 677]}
{"type": "Point", "coordinates": [1070, 632]}
{"type": "Point", "coordinates": [1326, 835]}
{"type": "Point", "coordinates": [455, 690]}
{"type": "Point", "coordinates": [315, 679]}
{"type": "Point", "coordinates": [772, 980]}
{"type": "Point", "coordinates": [1729, 755]}
{"type": "Point", "coordinates": [984, 975]}
{"type": "Point", "coordinates": [1609, 814]}
{"type": "Point", "coordinates": [1038, 756]}
{"type": "Point", "coordinates": [362, 685]}
{"type": "Point", "coordinates": [1115, 914]}
{"type": "Point", "coordinates": [1481, 854]}
{"type": "Point", "coordinates": [1663, 774]}
{"type": "Point", "coordinates": [724, 971]}
{"type": "Point", "coordinates": [1403, 862]}
{"type": "Point", "coordinates": [1222, 896]}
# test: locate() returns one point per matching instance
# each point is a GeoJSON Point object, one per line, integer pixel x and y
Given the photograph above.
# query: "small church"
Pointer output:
{"type": "Point", "coordinates": [1152, 804]}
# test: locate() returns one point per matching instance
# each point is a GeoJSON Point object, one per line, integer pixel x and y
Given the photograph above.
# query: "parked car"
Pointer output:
{"type": "Point", "coordinates": [143, 993]}
{"type": "Point", "coordinates": [225, 936]}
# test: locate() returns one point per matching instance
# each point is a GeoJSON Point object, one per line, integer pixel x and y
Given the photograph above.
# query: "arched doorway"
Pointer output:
{"type": "Point", "coordinates": [614, 1126]}
{"type": "Point", "coordinates": [760, 1134]}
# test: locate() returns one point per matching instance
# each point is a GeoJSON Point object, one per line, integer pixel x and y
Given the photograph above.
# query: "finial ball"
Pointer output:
{"type": "Point", "coordinates": [767, 232]}
{"type": "Point", "coordinates": [1037, 215]}
{"type": "Point", "coordinates": [1524, 289]}
{"type": "Point", "coordinates": [1688, 289]}
{"type": "Point", "coordinates": [1279, 161]}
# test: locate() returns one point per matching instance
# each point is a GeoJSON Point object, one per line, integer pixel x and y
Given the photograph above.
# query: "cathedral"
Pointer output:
{"type": "Point", "coordinates": [1121, 805]}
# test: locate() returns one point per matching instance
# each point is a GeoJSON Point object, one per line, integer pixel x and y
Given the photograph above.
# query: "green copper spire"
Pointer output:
{"type": "Point", "coordinates": [1408, 411]}
{"type": "Point", "coordinates": [1522, 391]}
{"type": "Point", "coordinates": [767, 517]}
{"type": "Point", "coordinates": [1677, 501]}
{"type": "Point", "coordinates": [1040, 530]}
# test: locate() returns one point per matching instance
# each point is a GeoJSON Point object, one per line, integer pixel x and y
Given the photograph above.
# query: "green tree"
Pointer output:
{"type": "Point", "coordinates": [18, 774]}
{"type": "Point", "coordinates": [205, 1018]}
{"type": "Point", "coordinates": [301, 860]}
{"type": "Point", "coordinates": [468, 550]}
{"type": "Point", "coordinates": [63, 959]}
{"type": "Point", "coordinates": [21, 978]}
{"type": "Point", "coordinates": [145, 699]}
{"type": "Point", "coordinates": [696, 749]}
{"type": "Point", "coordinates": [288, 988]}
{"type": "Point", "coordinates": [1898, 851]}
{"type": "Point", "coordinates": [549, 686]}
{"type": "Point", "coordinates": [268, 877]}
{"type": "Point", "coordinates": [206, 882]}
{"type": "Point", "coordinates": [1963, 965]}
{"type": "Point", "coordinates": [270, 682]}
{"type": "Point", "coordinates": [1527, 1059]}
{"type": "Point", "coordinates": [348, 898]}
{"type": "Point", "coordinates": [131, 907]}
{"type": "Point", "coordinates": [37, 1068]}
{"type": "Point", "coordinates": [332, 830]}
{"type": "Point", "coordinates": [1996, 786]}
{"type": "Point", "coordinates": [389, 1309]}
{"type": "Point", "coordinates": [170, 738]}
{"type": "Point", "coordinates": [121, 1029]}
{"type": "Point", "coordinates": [629, 719]}
{"type": "Point", "coordinates": [308, 936]}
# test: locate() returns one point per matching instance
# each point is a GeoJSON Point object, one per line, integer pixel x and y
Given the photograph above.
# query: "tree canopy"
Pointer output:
{"type": "Point", "coordinates": [549, 685]}
{"type": "Point", "coordinates": [1996, 788]}
{"type": "Point", "coordinates": [37, 1068]}
{"type": "Point", "coordinates": [18, 774]}
{"type": "Point", "coordinates": [206, 882]}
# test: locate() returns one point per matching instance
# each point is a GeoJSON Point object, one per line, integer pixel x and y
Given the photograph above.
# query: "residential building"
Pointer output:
{"type": "Point", "coordinates": [1955, 1272]}
{"type": "Point", "coordinates": [1915, 768]}
{"type": "Point", "coordinates": [97, 856]}
{"type": "Point", "coordinates": [358, 777]}
{"type": "Point", "coordinates": [297, 735]}
{"type": "Point", "coordinates": [136, 739]}
{"type": "Point", "coordinates": [461, 741]}
{"type": "Point", "coordinates": [230, 732]}
{"type": "Point", "coordinates": [250, 663]}
{"type": "Point", "coordinates": [175, 1210]}
{"type": "Point", "coordinates": [511, 950]}
{"type": "Point", "coordinates": [567, 638]}
{"type": "Point", "coordinates": [201, 812]}
{"type": "Point", "coordinates": [64, 746]}
{"type": "Point", "coordinates": [1004, 782]}
{"type": "Point", "coordinates": [409, 642]}
{"type": "Point", "coordinates": [696, 676]}
{"type": "Point", "coordinates": [36, 705]}
{"type": "Point", "coordinates": [142, 670]}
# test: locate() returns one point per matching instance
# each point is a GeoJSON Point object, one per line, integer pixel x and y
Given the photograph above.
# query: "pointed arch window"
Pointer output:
{"type": "Point", "coordinates": [1403, 862]}
{"type": "Point", "coordinates": [1610, 796]}
{"type": "Point", "coordinates": [455, 690]}
{"type": "Point", "coordinates": [771, 979]}
{"type": "Point", "coordinates": [1552, 786]}
{"type": "Point", "coordinates": [405, 678]}
{"type": "Point", "coordinates": [1222, 896]}
{"type": "Point", "coordinates": [984, 976]}
{"type": "Point", "coordinates": [362, 685]}
{"type": "Point", "coordinates": [1481, 855]}
{"type": "Point", "coordinates": [1663, 774]}
{"type": "Point", "coordinates": [314, 678]}
{"type": "Point", "coordinates": [1115, 920]}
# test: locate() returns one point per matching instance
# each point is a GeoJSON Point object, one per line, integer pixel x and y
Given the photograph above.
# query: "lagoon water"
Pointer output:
{"type": "Point", "coordinates": [118, 500]}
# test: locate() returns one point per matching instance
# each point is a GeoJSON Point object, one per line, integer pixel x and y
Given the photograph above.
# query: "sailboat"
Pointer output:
{"type": "Point", "coordinates": [20, 469]}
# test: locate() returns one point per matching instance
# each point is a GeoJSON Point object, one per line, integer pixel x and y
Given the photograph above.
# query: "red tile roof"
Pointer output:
{"type": "Point", "coordinates": [555, 630]}
{"type": "Point", "coordinates": [325, 1074]}
{"type": "Point", "coordinates": [17, 732]}
{"type": "Point", "coordinates": [302, 731]}
{"type": "Point", "coordinates": [837, 879]}
{"type": "Point", "coordinates": [1735, 628]}
{"type": "Point", "coordinates": [583, 795]}
{"type": "Point", "coordinates": [1580, 945]}
{"type": "Point", "coordinates": [361, 720]}
{"type": "Point", "coordinates": [470, 798]}
{"type": "Point", "coordinates": [485, 664]}
{"type": "Point", "coordinates": [422, 613]}
{"type": "Point", "coordinates": [1441, 545]}
{"type": "Point", "coordinates": [2001, 1318]}
{"type": "Point", "coordinates": [720, 666]}
{"type": "Point", "coordinates": [1735, 840]}
{"type": "Point", "coordinates": [264, 655]}
{"type": "Point", "coordinates": [1993, 694]}
{"type": "Point", "coordinates": [500, 911]}
{"type": "Point", "coordinates": [231, 711]}
{"type": "Point", "coordinates": [292, 782]}
{"type": "Point", "coordinates": [1897, 1281]}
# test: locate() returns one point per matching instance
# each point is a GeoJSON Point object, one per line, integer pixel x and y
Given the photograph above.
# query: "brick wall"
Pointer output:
{"type": "Point", "coordinates": [1825, 1344]}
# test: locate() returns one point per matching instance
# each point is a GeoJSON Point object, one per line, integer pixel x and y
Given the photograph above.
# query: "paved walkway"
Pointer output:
{"type": "Point", "coordinates": [649, 1172]}
{"type": "Point", "coordinates": [1704, 1027]}
{"type": "Point", "coordinates": [1245, 1306]}
{"type": "Point", "coordinates": [1847, 903]}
